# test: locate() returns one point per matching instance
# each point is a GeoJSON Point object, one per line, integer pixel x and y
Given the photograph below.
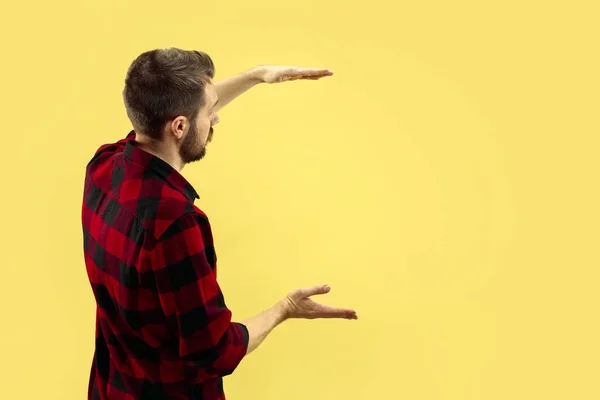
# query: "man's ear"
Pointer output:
{"type": "Point", "coordinates": [177, 126]}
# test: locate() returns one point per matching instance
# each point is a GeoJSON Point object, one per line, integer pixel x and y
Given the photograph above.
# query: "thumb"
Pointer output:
{"type": "Point", "coordinates": [315, 290]}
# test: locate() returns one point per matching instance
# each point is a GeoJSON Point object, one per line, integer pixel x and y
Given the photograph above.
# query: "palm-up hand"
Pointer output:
{"type": "Point", "coordinates": [276, 74]}
{"type": "Point", "coordinates": [299, 305]}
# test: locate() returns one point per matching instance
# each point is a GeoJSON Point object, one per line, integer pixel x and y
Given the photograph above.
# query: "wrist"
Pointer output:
{"type": "Point", "coordinates": [256, 74]}
{"type": "Point", "coordinates": [282, 311]}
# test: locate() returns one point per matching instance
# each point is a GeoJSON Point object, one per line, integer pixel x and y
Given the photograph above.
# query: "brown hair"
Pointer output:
{"type": "Point", "coordinates": [165, 83]}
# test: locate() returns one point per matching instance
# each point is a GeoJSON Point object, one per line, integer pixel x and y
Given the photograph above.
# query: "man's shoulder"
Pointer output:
{"type": "Point", "coordinates": [158, 214]}
{"type": "Point", "coordinates": [145, 192]}
{"type": "Point", "coordinates": [107, 150]}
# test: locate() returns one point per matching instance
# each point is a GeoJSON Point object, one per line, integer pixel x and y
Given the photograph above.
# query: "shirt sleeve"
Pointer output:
{"type": "Point", "coordinates": [193, 303]}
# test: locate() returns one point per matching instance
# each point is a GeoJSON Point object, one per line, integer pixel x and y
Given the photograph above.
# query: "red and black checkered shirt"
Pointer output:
{"type": "Point", "coordinates": [163, 330]}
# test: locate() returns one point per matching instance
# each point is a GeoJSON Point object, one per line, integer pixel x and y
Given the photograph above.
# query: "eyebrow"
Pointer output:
{"type": "Point", "coordinates": [213, 106]}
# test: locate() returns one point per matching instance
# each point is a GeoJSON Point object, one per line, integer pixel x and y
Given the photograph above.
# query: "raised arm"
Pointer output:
{"type": "Point", "coordinates": [230, 88]}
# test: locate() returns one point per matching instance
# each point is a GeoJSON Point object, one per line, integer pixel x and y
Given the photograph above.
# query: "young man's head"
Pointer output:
{"type": "Point", "coordinates": [170, 98]}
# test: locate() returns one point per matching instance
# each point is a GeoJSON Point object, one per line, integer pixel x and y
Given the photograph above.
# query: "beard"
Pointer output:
{"type": "Point", "coordinates": [192, 149]}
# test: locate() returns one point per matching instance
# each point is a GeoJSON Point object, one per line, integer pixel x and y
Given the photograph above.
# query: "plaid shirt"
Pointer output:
{"type": "Point", "coordinates": [163, 330]}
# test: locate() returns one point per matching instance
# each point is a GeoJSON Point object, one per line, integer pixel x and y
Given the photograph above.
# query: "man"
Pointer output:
{"type": "Point", "coordinates": [163, 330]}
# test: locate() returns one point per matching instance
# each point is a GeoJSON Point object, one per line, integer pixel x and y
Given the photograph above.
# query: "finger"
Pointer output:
{"type": "Point", "coordinates": [314, 78]}
{"type": "Point", "coordinates": [314, 72]}
{"type": "Point", "coordinates": [325, 311]}
{"type": "Point", "coordinates": [310, 76]}
{"type": "Point", "coordinates": [307, 78]}
{"type": "Point", "coordinates": [311, 291]}
{"type": "Point", "coordinates": [318, 71]}
{"type": "Point", "coordinates": [303, 74]}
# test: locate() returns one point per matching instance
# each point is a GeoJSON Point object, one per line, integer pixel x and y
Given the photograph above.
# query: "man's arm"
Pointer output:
{"type": "Point", "coordinates": [297, 304]}
{"type": "Point", "coordinates": [262, 324]}
{"type": "Point", "coordinates": [206, 337]}
{"type": "Point", "coordinates": [230, 88]}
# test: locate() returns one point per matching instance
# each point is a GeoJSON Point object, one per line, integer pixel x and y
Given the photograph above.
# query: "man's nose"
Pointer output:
{"type": "Point", "coordinates": [215, 120]}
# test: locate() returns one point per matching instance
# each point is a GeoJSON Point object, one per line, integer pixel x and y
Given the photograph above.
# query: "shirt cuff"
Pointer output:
{"type": "Point", "coordinates": [237, 348]}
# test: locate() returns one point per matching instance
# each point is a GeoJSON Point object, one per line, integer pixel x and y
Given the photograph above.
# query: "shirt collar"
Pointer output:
{"type": "Point", "coordinates": [160, 167]}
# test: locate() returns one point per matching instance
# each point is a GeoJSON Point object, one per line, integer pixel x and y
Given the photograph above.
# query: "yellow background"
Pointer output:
{"type": "Point", "coordinates": [444, 182]}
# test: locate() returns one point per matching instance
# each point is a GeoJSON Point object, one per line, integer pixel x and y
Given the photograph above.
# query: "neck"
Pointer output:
{"type": "Point", "coordinates": [164, 151]}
